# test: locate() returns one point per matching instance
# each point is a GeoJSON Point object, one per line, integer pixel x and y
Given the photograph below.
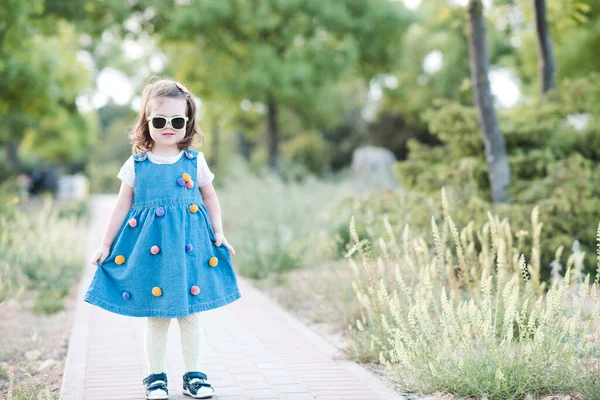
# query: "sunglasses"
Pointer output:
{"type": "Point", "coordinates": [159, 122]}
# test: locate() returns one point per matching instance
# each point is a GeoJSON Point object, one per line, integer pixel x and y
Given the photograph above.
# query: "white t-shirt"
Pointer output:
{"type": "Point", "coordinates": [127, 174]}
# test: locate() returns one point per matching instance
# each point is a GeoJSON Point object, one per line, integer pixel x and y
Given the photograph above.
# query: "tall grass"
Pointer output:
{"type": "Point", "coordinates": [467, 313]}
{"type": "Point", "coordinates": [277, 226]}
{"type": "Point", "coordinates": [41, 250]}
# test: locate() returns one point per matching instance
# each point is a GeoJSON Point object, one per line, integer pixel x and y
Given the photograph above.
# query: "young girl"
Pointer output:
{"type": "Point", "coordinates": [164, 254]}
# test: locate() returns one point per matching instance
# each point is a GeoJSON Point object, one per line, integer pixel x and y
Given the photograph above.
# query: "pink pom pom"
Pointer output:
{"type": "Point", "coordinates": [154, 250]}
{"type": "Point", "coordinates": [132, 222]}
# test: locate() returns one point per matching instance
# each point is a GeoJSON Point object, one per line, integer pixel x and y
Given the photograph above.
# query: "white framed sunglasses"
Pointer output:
{"type": "Point", "coordinates": [159, 122]}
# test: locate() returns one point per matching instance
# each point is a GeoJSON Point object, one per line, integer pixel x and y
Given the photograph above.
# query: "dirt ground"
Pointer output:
{"type": "Point", "coordinates": [34, 346]}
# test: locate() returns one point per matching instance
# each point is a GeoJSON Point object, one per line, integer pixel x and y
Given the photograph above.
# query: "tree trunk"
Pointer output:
{"type": "Point", "coordinates": [495, 149]}
{"type": "Point", "coordinates": [214, 147]}
{"type": "Point", "coordinates": [273, 135]}
{"type": "Point", "coordinates": [12, 154]}
{"type": "Point", "coordinates": [244, 146]}
{"type": "Point", "coordinates": [547, 69]}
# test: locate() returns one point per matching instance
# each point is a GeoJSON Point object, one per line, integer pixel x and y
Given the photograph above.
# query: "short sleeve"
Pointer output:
{"type": "Point", "coordinates": [127, 174]}
{"type": "Point", "coordinates": [204, 175]}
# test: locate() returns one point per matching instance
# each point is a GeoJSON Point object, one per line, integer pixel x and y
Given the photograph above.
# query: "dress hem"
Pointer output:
{"type": "Point", "coordinates": [162, 313]}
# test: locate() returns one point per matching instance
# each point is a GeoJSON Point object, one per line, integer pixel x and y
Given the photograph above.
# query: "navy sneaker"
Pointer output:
{"type": "Point", "coordinates": [196, 386]}
{"type": "Point", "coordinates": [156, 386]}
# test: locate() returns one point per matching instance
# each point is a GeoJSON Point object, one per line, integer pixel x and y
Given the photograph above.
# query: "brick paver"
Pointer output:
{"type": "Point", "coordinates": [253, 350]}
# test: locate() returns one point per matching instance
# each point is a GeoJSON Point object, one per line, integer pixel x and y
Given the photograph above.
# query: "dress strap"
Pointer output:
{"type": "Point", "coordinates": [191, 154]}
{"type": "Point", "coordinates": [140, 156]}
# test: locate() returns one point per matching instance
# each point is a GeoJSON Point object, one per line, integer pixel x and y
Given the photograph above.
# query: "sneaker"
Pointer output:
{"type": "Point", "coordinates": [156, 386]}
{"type": "Point", "coordinates": [196, 386]}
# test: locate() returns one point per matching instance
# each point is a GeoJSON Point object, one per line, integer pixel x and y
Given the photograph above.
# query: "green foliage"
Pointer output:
{"type": "Point", "coordinates": [310, 150]}
{"type": "Point", "coordinates": [552, 163]}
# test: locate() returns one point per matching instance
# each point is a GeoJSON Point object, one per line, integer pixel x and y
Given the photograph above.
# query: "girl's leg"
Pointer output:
{"type": "Point", "coordinates": [155, 343]}
{"type": "Point", "coordinates": [192, 341]}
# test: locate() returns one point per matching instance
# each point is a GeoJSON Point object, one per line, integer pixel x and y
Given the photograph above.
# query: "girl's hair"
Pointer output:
{"type": "Point", "coordinates": [158, 90]}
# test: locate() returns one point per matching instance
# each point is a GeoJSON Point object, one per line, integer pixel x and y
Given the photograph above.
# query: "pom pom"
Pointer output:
{"type": "Point", "coordinates": [189, 184]}
{"type": "Point", "coordinates": [194, 208]}
{"type": "Point", "coordinates": [188, 247]}
{"type": "Point", "coordinates": [119, 260]}
{"type": "Point", "coordinates": [213, 261]}
{"type": "Point", "coordinates": [156, 291]}
{"type": "Point", "coordinates": [126, 296]}
{"type": "Point", "coordinates": [180, 181]}
{"type": "Point", "coordinates": [186, 177]}
{"type": "Point", "coordinates": [154, 249]}
{"type": "Point", "coordinates": [132, 222]}
{"type": "Point", "coordinates": [160, 211]}
{"type": "Point", "coordinates": [195, 290]}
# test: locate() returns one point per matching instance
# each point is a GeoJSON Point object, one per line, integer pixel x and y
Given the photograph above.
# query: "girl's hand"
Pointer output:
{"type": "Point", "coordinates": [220, 239]}
{"type": "Point", "coordinates": [100, 254]}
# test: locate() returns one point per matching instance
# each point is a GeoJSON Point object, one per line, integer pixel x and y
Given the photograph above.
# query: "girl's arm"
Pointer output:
{"type": "Point", "coordinates": [211, 201]}
{"type": "Point", "coordinates": [115, 221]}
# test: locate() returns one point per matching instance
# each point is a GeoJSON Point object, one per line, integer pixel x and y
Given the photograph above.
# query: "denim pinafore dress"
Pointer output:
{"type": "Point", "coordinates": [163, 261]}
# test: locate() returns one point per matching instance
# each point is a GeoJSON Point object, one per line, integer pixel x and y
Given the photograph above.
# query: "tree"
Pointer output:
{"type": "Point", "coordinates": [285, 53]}
{"type": "Point", "coordinates": [40, 78]}
{"type": "Point", "coordinates": [495, 148]}
{"type": "Point", "coordinates": [547, 69]}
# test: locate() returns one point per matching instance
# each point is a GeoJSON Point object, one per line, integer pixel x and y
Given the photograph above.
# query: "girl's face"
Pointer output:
{"type": "Point", "coordinates": [167, 138]}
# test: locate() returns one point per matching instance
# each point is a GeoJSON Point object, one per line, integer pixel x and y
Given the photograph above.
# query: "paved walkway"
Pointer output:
{"type": "Point", "coordinates": [253, 350]}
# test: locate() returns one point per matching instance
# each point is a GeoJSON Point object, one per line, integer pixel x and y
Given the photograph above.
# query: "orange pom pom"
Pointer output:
{"type": "Point", "coordinates": [213, 261]}
{"type": "Point", "coordinates": [156, 291]}
{"type": "Point", "coordinates": [194, 208]}
{"type": "Point", "coordinates": [119, 260]}
{"type": "Point", "coordinates": [186, 177]}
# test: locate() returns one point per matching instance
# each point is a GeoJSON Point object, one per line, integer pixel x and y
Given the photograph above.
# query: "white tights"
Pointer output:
{"type": "Point", "coordinates": [192, 342]}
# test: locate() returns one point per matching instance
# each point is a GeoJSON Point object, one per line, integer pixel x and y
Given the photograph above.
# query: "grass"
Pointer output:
{"type": "Point", "coordinates": [27, 391]}
{"type": "Point", "coordinates": [42, 252]}
{"type": "Point", "coordinates": [275, 226]}
{"type": "Point", "coordinates": [466, 313]}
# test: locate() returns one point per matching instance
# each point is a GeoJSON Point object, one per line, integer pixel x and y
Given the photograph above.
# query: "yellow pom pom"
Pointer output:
{"type": "Point", "coordinates": [119, 260]}
{"type": "Point", "coordinates": [194, 208]}
{"type": "Point", "coordinates": [213, 261]}
{"type": "Point", "coordinates": [156, 291]}
{"type": "Point", "coordinates": [186, 177]}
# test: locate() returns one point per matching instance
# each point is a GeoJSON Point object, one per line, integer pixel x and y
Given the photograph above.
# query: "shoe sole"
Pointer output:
{"type": "Point", "coordinates": [157, 398]}
{"type": "Point", "coordinates": [206, 396]}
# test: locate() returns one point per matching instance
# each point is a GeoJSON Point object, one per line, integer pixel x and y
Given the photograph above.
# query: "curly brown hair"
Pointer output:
{"type": "Point", "coordinates": [140, 132]}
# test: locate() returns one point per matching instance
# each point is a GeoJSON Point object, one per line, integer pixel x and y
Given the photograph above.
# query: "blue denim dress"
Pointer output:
{"type": "Point", "coordinates": [163, 261]}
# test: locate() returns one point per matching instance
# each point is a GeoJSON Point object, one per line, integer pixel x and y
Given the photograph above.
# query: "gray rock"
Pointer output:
{"type": "Point", "coordinates": [372, 170]}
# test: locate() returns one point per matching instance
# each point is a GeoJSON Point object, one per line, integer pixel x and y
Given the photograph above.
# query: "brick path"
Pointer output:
{"type": "Point", "coordinates": [253, 350]}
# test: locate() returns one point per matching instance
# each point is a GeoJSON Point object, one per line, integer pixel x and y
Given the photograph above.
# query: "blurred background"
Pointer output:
{"type": "Point", "coordinates": [313, 112]}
